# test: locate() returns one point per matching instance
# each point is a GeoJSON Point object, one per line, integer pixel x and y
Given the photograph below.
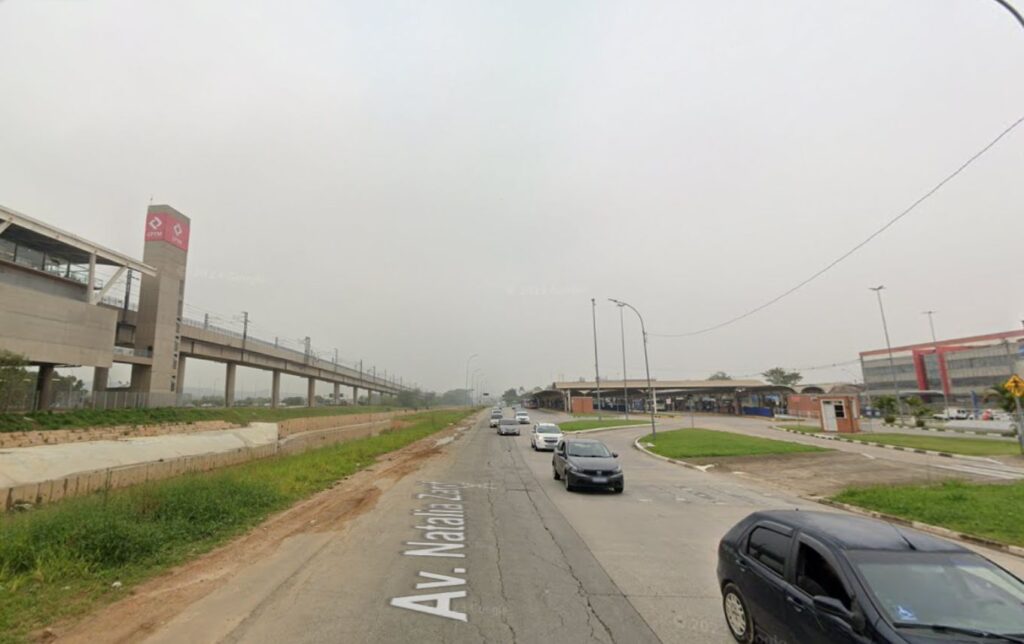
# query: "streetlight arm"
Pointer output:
{"type": "Point", "coordinates": [1016, 14]}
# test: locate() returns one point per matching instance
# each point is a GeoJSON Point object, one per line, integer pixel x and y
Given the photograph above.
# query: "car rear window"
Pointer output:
{"type": "Point", "coordinates": [508, 421]}
{"type": "Point", "coordinates": [770, 548]}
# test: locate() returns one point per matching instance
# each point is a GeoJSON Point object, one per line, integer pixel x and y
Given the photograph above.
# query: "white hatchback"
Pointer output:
{"type": "Point", "coordinates": [545, 436]}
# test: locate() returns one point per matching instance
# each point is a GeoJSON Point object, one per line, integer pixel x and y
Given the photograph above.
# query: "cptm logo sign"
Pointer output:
{"type": "Point", "coordinates": [164, 226]}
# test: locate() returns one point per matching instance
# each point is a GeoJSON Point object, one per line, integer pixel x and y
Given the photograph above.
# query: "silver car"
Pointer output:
{"type": "Point", "coordinates": [545, 436]}
{"type": "Point", "coordinates": [508, 426]}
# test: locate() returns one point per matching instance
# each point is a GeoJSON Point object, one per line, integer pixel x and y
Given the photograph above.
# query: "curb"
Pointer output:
{"type": "Point", "coordinates": [675, 461]}
{"type": "Point", "coordinates": [1017, 551]}
{"type": "Point", "coordinates": [897, 448]}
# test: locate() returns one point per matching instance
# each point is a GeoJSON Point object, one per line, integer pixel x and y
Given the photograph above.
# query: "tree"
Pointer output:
{"type": "Point", "coordinates": [779, 376]}
{"type": "Point", "coordinates": [510, 396]}
{"type": "Point", "coordinates": [887, 405]}
{"type": "Point", "coordinates": [293, 401]}
{"type": "Point", "coordinates": [719, 375]}
{"type": "Point", "coordinates": [16, 383]}
{"type": "Point", "coordinates": [918, 409]}
{"type": "Point", "coordinates": [1001, 396]}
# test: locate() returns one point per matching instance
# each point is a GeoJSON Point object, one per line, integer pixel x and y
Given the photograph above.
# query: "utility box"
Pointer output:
{"type": "Point", "coordinates": [839, 414]}
{"type": "Point", "coordinates": [582, 405]}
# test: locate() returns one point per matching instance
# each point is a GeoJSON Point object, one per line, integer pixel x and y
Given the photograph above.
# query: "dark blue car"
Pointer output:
{"type": "Point", "coordinates": [800, 577]}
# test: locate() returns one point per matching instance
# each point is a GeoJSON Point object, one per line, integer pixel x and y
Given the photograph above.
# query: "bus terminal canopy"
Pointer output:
{"type": "Point", "coordinates": [673, 387]}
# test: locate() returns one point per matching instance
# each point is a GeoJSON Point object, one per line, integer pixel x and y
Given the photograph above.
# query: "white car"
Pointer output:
{"type": "Point", "coordinates": [545, 436]}
{"type": "Point", "coordinates": [522, 418]}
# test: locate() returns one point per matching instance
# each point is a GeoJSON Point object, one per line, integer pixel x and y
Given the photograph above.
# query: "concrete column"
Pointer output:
{"type": "Point", "coordinates": [275, 389]}
{"type": "Point", "coordinates": [311, 392]}
{"type": "Point", "coordinates": [355, 395]}
{"type": "Point", "coordinates": [179, 381]}
{"type": "Point", "coordinates": [337, 394]}
{"type": "Point", "coordinates": [44, 387]}
{"type": "Point", "coordinates": [229, 385]}
{"type": "Point", "coordinates": [100, 378]}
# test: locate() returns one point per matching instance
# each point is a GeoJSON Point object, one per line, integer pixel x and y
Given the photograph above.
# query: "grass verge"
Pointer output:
{"type": "Point", "coordinates": [978, 509]}
{"type": "Point", "coordinates": [579, 425]}
{"type": "Point", "coordinates": [966, 446]}
{"type": "Point", "coordinates": [82, 418]}
{"type": "Point", "coordinates": [689, 443]}
{"type": "Point", "coordinates": [806, 429]}
{"type": "Point", "coordinates": [60, 560]}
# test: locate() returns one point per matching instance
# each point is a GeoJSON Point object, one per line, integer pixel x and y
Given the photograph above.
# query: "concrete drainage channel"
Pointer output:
{"type": "Point", "coordinates": [43, 474]}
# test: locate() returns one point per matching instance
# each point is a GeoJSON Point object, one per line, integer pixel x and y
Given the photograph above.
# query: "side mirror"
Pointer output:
{"type": "Point", "coordinates": [615, 454]}
{"type": "Point", "coordinates": [832, 606]}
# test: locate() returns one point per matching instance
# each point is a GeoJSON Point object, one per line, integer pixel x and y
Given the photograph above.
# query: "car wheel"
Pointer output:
{"type": "Point", "coordinates": [737, 618]}
{"type": "Point", "coordinates": [554, 470]}
{"type": "Point", "coordinates": [619, 489]}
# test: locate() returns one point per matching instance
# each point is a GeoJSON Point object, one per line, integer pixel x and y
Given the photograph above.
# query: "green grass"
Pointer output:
{"type": "Point", "coordinates": [806, 429]}
{"type": "Point", "coordinates": [82, 418]}
{"type": "Point", "coordinates": [978, 509]}
{"type": "Point", "coordinates": [60, 560]}
{"type": "Point", "coordinates": [689, 443]}
{"type": "Point", "coordinates": [967, 446]}
{"type": "Point", "coordinates": [578, 425]}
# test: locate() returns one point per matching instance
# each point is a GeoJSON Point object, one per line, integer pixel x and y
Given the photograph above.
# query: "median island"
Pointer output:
{"type": "Point", "coordinates": [701, 443]}
{"type": "Point", "coordinates": [991, 511]}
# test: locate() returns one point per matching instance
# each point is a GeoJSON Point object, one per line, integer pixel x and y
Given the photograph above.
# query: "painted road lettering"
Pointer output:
{"type": "Point", "coordinates": [441, 523]}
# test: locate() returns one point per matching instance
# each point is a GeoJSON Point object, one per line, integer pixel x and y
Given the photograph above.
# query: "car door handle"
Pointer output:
{"type": "Point", "coordinates": [797, 605]}
{"type": "Point", "coordinates": [741, 565]}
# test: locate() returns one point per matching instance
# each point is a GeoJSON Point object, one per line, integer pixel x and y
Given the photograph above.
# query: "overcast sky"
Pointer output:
{"type": "Point", "coordinates": [414, 182]}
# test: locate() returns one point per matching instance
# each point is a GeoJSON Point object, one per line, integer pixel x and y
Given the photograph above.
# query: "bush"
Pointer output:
{"type": "Point", "coordinates": [890, 420]}
{"type": "Point", "coordinates": [919, 422]}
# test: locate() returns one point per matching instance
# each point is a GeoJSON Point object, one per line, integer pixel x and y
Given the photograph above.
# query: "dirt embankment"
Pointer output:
{"type": "Point", "coordinates": [158, 600]}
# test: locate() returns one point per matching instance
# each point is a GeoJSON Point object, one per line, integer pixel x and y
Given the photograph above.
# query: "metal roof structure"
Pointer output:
{"type": "Point", "coordinates": [662, 385]}
{"type": "Point", "coordinates": [32, 233]}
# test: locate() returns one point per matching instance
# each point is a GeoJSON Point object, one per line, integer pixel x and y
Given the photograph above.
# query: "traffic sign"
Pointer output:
{"type": "Point", "coordinates": [1015, 385]}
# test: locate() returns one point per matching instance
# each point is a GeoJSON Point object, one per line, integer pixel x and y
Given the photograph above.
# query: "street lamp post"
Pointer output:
{"type": "Point", "coordinates": [468, 360]}
{"type": "Point", "coordinates": [597, 370]}
{"type": "Point", "coordinates": [939, 360]}
{"type": "Point", "coordinates": [625, 382]}
{"type": "Point", "coordinates": [647, 364]}
{"type": "Point", "coordinates": [888, 346]}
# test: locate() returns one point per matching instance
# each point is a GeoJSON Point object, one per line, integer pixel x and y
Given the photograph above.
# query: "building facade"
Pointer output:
{"type": "Point", "coordinates": [961, 369]}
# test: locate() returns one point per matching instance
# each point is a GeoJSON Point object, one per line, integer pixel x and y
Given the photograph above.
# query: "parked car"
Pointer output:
{"type": "Point", "coordinates": [545, 436]}
{"type": "Point", "coordinates": [585, 462]}
{"type": "Point", "coordinates": [508, 426]}
{"type": "Point", "coordinates": [829, 578]}
{"type": "Point", "coordinates": [522, 418]}
{"type": "Point", "coordinates": [953, 413]}
{"type": "Point", "coordinates": [495, 418]}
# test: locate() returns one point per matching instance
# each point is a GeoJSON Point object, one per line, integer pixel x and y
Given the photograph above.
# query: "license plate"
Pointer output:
{"type": "Point", "coordinates": [600, 479]}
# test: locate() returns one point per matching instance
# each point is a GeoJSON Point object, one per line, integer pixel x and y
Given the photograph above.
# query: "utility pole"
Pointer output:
{"type": "Point", "coordinates": [625, 382]}
{"type": "Point", "coordinates": [940, 360]}
{"type": "Point", "coordinates": [466, 389]}
{"type": "Point", "coordinates": [245, 331]}
{"type": "Point", "coordinates": [888, 346]}
{"type": "Point", "coordinates": [597, 370]}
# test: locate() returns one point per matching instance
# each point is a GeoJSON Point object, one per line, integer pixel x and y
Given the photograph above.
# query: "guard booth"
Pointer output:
{"type": "Point", "coordinates": [839, 414]}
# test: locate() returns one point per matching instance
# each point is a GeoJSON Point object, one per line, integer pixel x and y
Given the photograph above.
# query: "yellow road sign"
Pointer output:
{"type": "Point", "coordinates": [1015, 385]}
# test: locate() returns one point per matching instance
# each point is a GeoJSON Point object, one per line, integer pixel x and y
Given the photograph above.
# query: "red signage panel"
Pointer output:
{"type": "Point", "coordinates": [166, 226]}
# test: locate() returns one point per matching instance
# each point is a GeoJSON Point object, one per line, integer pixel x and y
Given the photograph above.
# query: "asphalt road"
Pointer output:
{"type": "Point", "coordinates": [538, 564]}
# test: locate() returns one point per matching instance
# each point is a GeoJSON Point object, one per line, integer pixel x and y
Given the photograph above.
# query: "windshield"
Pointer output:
{"type": "Point", "coordinates": [588, 450]}
{"type": "Point", "coordinates": [548, 429]}
{"type": "Point", "coordinates": [951, 589]}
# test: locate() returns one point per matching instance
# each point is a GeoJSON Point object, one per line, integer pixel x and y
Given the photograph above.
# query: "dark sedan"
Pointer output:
{"type": "Point", "coordinates": [828, 578]}
{"type": "Point", "coordinates": [582, 462]}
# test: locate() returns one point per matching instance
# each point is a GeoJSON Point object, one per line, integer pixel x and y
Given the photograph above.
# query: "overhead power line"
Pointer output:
{"type": "Point", "coordinates": [977, 155]}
